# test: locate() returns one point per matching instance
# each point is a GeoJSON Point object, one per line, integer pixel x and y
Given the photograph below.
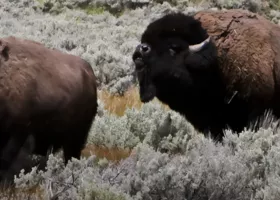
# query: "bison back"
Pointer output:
{"type": "Point", "coordinates": [35, 79]}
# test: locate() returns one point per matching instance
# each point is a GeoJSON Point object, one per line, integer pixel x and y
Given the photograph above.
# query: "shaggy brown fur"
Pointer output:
{"type": "Point", "coordinates": [46, 93]}
{"type": "Point", "coordinates": [248, 50]}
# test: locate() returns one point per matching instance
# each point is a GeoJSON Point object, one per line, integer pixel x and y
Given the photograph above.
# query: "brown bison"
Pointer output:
{"type": "Point", "coordinates": [220, 69]}
{"type": "Point", "coordinates": [44, 93]}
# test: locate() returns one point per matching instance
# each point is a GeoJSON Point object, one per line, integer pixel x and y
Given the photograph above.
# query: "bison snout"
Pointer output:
{"type": "Point", "coordinates": [141, 51]}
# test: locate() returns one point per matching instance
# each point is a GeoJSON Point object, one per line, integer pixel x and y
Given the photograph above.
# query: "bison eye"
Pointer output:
{"type": "Point", "coordinates": [174, 49]}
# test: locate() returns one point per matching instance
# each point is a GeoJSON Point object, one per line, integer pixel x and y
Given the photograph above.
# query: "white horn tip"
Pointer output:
{"type": "Point", "coordinates": [198, 47]}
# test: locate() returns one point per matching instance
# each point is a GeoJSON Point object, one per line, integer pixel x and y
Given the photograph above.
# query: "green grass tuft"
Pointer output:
{"type": "Point", "coordinates": [274, 4]}
{"type": "Point", "coordinates": [93, 10]}
{"type": "Point", "coordinates": [41, 2]}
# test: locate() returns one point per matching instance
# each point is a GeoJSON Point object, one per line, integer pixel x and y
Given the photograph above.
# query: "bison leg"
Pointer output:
{"type": "Point", "coordinates": [10, 152]}
{"type": "Point", "coordinates": [73, 146]}
{"type": "Point", "coordinates": [72, 150]}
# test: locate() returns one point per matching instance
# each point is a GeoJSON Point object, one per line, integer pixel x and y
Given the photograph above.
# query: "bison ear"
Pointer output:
{"type": "Point", "coordinates": [4, 49]}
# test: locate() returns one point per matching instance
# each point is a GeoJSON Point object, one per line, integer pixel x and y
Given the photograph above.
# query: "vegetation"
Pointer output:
{"type": "Point", "coordinates": [134, 150]}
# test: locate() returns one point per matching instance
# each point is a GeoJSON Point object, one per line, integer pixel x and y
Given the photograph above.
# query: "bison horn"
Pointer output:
{"type": "Point", "coordinates": [198, 47]}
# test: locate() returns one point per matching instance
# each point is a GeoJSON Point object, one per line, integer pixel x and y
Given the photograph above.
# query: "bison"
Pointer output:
{"type": "Point", "coordinates": [218, 81]}
{"type": "Point", "coordinates": [46, 94]}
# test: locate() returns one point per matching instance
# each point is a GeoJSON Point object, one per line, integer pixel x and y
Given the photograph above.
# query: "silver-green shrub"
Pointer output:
{"type": "Point", "coordinates": [244, 167]}
{"type": "Point", "coordinates": [164, 130]}
{"type": "Point", "coordinates": [252, 5]}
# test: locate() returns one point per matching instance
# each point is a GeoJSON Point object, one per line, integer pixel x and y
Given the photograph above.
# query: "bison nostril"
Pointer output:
{"type": "Point", "coordinates": [145, 48]}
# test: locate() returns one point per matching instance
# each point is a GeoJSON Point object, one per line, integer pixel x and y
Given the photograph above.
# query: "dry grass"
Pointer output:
{"type": "Point", "coordinates": [112, 154]}
{"type": "Point", "coordinates": [117, 104]}
{"type": "Point", "coordinates": [34, 193]}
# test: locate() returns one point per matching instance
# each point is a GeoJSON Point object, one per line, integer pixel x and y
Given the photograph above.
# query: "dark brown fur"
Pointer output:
{"type": "Point", "coordinates": [46, 93]}
{"type": "Point", "coordinates": [247, 47]}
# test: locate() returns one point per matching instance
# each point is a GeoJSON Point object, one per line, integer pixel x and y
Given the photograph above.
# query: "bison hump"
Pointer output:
{"type": "Point", "coordinates": [245, 48]}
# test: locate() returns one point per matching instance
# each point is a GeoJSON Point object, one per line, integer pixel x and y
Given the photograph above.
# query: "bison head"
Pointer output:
{"type": "Point", "coordinates": [177, 62]}
{"type": "Point", "coordinates": [175, 56]}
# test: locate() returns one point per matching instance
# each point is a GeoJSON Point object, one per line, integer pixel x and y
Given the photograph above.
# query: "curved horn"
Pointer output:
{"type": "Point", "coordinates": [198, 47]}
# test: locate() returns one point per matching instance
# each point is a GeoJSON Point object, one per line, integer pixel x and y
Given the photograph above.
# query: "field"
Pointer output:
{"type": "Point", "coordinates": [134, 150]}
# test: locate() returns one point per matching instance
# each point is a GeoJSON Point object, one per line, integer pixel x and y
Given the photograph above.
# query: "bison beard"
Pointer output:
{"type": "Point", "coordinates": [46, 94]}
{"type": "Point", "coordinates": [178, 63]}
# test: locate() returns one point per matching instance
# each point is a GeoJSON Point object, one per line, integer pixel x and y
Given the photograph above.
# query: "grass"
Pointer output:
{"type": "Point", "coordinates": [96, 10]}
{"type": "Point", "coordinates": [274, 4]}
{"type": "Point", "coordinates": [20, 194]}
{"type": "Point", "coordinates": [117, 104]}
{"type": "Point", "coordinates": [104, 194]}
{"type": "Point", "coordinates": [41, 2]}
{"type": "Point", "coordinates": [92, 10]}
{"type": "Point", "coordinates": [111, 154]}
